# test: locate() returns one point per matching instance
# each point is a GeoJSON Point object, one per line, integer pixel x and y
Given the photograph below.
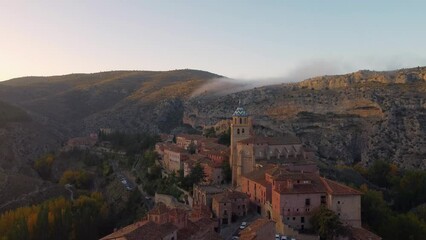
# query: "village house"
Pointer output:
{"type": "Point", "coordinates": [230, 205]}
{"type": "Point", "coordinates": [174, 158]}
{"type": "Point", "coordinates": [290, 197]}
{"type": "Point", "coordinates": [186, 140]}
{"type": "Point", "coordinates": [203, 194]}
{"type": "Point", "coordinates": [167, 223]}
{"type": "Point", "coordinates": [81, 143]}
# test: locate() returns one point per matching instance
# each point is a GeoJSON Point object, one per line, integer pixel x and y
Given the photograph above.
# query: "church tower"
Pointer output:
{"type": "Point", "coordinates": [241, 128]}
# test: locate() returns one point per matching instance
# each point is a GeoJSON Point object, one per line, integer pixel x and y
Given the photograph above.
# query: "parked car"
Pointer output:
{"type": "Point", "coordinates": [243, 225]}
{"type": "Point", "coordinates": [277, 237]}
{"type": "Point", "coordinates": [283, 237]}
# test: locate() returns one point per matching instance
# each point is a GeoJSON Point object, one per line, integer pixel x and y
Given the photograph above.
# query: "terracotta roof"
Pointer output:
{"type": "Point", "coordinates": [200, 211]}
{"type": "Point", "coordinates": [174, 148]}
{"type": "Point", "coordinates": [336, 188]}
{"type": "Point", "coordinates": [177, 212]}
{"type": "Point", "coordinates": [211, 189]}
{"type": "Point", "coordinates": [283, 140]}
{"type": "Point", "coordinates": [313, 184]}
{"type": "Point", "coordinates": [142, 230]}
{"type": "Point", "coordinates": [259, 173]}
{"type": "Point", "coordinates": [126, 230]}
{"type": "Point", "coordinates": [257, 224]}
{"type": "Point", "coordinates": [362, 234]}
{"type": "Point", "coordinates": [199, 230]}
{"type": "Point", "coordinates": [250, 232]}
{"type": "Point", "coordinates": [228, 196]}
{"type": "Point", "coordinates": [160, 208]}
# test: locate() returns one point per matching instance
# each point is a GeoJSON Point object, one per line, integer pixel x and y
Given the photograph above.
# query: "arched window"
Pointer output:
{"type": "Point", "coordinates": [238, 131]}
{"type": "Point", "coordinates": [241, 120]}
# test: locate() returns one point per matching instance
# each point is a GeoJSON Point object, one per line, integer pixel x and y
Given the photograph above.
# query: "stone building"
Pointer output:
{"type": "Point", "coordinates": [230, 205]}
{"type": "Point", "coordinates": [248, 150]}
{"type": "Point", "coordinates": [290, 197]}
{"type": "Point", "coordinates": [203, 194]}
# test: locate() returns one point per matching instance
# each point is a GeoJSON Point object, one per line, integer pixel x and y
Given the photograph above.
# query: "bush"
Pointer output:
{"type": "Point", "coordinates": [79, 179]}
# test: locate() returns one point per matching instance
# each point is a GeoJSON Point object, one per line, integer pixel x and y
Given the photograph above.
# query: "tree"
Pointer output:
{"type": "Point", "coordinates": [192, 148]}
{"type": "Point", "coordinates": [374, 210]}
{"type": "Point", "coordinates": [43, 166]}
{"type": "Point", "coordinates": [327, 224]}
{"type": "Point", "coordinates": [227, 171]}
{"type": "Point", "coordinates": [225, 138]}
{"type": "Point", "coordinates": [210, 132]}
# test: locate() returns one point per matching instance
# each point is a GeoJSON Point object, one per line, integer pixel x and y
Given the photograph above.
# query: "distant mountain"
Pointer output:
{"type": "Point", "coordinates": [126, 100]}
{"type": "Point", "coordinates": [410, 75]}
{"type": "Point", "coordinates": [357, 117]}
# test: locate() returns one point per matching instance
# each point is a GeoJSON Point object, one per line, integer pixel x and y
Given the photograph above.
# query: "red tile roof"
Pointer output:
{"type": "Point", "coordinates": [228, 196]}
{"type": "Point", "coordinates": [336, 188]}
{"type": "Point", "coordinates": [362, 234]}
{"type": "Point", "coordinates": [142, 230]}
{"type": "Point", "coordinates": [174, 148]}
{"type": "Point", "coordinates": [159, 209]}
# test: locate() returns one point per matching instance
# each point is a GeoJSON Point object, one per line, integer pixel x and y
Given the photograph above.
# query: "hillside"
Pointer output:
{"type": "Point", "coordinates": [344, 119]}
{"type": "Point", "coordinates": [85, 102]}
{"type": "Point", "coordinates": [357, 117]}
{"type": "Point", "coordinates": [401, 76]}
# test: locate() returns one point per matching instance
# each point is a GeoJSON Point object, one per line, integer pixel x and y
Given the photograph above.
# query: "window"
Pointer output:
{"type": "Point", "coordinates": [224, 204]}
{"type": "Point", "coordinates": [307, 201]}
{"type": "Point", "coordinates": [238, 131]}
{"type": "Point", "coordinates": [302, 220]}
{"type": "Point", "coordinates": [241, 120]}
{"type": "Point", "coordinates": [242, 130]}
{"type": "Point", "coordinates": [294, 218]}
{"type": "Point", "coordinates": [225, 213]}
{"type": "Point", "coordinates": [338, 202]}
{"type": "Point", "coordinates": [323, 200]}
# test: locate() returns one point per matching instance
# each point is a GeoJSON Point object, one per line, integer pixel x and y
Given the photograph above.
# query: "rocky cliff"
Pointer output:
{"type": "Point", "coordinates": [351, 118]}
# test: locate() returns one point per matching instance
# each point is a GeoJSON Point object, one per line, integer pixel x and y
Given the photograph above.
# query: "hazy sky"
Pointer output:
{"type": "Point", "coordinates": [239, 39]}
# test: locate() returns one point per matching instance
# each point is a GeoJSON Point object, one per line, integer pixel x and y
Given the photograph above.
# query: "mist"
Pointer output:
{"type": "Point", "coordinates": [310, 69]}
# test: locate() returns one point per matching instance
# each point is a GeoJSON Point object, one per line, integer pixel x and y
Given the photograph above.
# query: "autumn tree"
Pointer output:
{"type": "Point", "coordinates": [326, 223]}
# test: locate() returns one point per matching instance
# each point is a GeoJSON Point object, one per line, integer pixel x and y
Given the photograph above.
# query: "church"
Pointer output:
{"type": "Point", "coordinates": [249, 150]}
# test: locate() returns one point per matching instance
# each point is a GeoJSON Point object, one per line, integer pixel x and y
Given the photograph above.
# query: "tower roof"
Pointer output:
{"type": "Point", "coordinates": [240, 112]}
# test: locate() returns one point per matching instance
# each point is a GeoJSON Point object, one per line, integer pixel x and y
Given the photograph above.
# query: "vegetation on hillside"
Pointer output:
{"type": "Point", "coordinates": [393, 205]}
{"type": "Point", "coordinates": [57, 219]}
{"type": "Point", "coordinates": [9, 113]}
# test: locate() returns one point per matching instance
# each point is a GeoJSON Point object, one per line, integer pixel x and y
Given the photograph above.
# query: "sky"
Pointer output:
{"type": "Point", "coordinates": [238, 39]}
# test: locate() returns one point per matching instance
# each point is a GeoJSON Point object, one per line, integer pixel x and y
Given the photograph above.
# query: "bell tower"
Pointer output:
{"type": "Point", "coordinates": [241, 128]}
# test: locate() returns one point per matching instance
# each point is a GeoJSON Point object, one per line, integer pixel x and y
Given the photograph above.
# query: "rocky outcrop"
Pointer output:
{"type": "Point", "coordinates": [365, 77]}
{"type": "Point", "coordinates": [345, 121]}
